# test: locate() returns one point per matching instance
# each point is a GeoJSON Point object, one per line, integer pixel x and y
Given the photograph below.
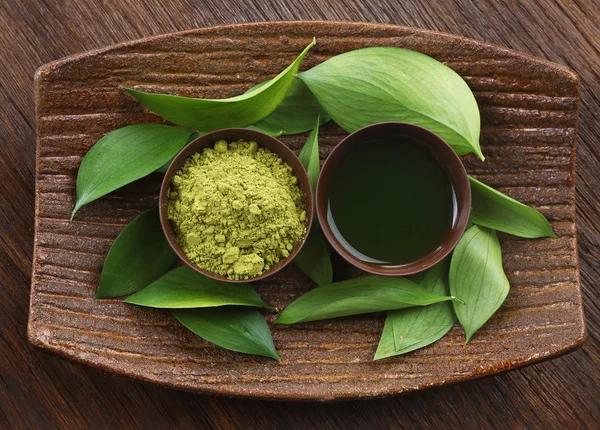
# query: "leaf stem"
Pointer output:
{"type": "Point", "coordinates": [456, 299]}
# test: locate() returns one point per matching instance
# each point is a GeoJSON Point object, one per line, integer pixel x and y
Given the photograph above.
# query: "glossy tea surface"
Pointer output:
{"type": "Point", "coordinates": [390, 201]}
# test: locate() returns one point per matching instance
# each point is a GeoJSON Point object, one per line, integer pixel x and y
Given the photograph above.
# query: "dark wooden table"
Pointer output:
{"type": "Point", "coordinates": [38, 390]}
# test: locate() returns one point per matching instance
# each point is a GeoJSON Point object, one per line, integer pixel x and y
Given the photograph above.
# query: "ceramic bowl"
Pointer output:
{"type": "Point", "coordinates": [447, 157]}
{"type": "Point", "coordinates": [232, 135]}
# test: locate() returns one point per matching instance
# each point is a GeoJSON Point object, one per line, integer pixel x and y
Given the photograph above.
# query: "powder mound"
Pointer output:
{"type": "Point", "coordinates": [236, 209]}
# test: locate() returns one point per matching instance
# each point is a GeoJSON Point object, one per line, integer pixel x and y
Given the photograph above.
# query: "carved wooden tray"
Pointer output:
{"type": "Point", "coordinates": [529, 125]}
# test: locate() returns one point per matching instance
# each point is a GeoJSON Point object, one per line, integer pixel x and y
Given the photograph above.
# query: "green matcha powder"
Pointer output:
{"type": "Point", "coordinates": [236, 209]}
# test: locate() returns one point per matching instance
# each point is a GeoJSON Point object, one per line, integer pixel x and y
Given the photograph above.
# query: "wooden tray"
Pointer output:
{"type": "Point", "coordinates": [529, 124]}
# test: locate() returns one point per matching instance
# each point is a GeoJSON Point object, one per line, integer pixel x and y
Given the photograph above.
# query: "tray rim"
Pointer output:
{"type": "Point", "coordinates": [39, 340]}
{"type": "Point", "coordinates": [257, 24]}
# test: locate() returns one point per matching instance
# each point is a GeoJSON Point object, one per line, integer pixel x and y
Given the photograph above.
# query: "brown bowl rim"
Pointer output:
{"type": "Point", "coordinates": [458, 177]}
{"type": "Point", "coordinates": [232, 135]}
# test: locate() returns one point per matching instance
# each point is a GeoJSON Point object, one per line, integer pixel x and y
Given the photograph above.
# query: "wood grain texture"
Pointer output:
{"type": "Point", "coordinates": [529, 117]}
{"type": "Point", "coordinates": [37, 390]}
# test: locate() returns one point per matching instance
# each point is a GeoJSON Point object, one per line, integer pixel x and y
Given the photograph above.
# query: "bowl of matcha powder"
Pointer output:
{"type": "Point", "coordinates": [236, 205]}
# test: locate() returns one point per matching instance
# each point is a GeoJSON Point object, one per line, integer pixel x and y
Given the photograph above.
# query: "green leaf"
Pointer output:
{"type": "Point", "coordinates": [238, 111]}
{"type": "Point", "coordinates": [372, 85]}
{"type": "Point", "coordinates": [357, 296]}
{"type": "Point", "coordinates": [477, 278]}
{"type": "Point", "coordinates": [492, 209]}
{"type": "Point", "coordinates": [139, 255]}
{"type": "Point", "coordinates": [309, 155]}
{"type": "Point", "coordinates": [413, 328]}
{"type": "Point", "coordinates": [125, 155]}
{"type": "Point", "coordinates": [183, 287]}
{"type": "Point", "coordinates": [235, 328]}
{"type": "Point", "coordinates": [165, 167]}
{"type": "Point", "coordinates": [313, 259]}
{"type": "Point", "coordinates": [296, 114]}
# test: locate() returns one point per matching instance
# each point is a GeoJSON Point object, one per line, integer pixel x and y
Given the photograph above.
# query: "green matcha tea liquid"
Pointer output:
{"type": "Point", "coordinates": [390, 201]}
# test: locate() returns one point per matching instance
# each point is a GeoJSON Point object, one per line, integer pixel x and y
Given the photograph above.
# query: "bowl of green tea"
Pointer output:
{"type": "Point", "coordinates": [393, 199]}
{"type": "Point", "coordinates": [236, 205]}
